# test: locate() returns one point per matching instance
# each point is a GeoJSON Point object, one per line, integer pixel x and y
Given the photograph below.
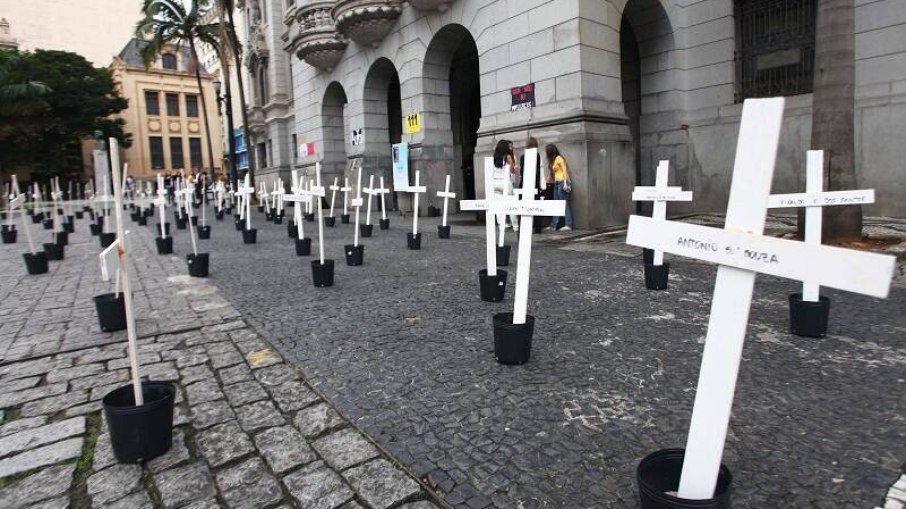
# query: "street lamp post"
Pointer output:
{"type": "Point", "coordinates": [234, 172]}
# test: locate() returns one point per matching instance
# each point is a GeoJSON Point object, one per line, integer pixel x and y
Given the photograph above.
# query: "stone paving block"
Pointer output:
{"type": "Point", "coordinates": [47, 483]}
{"type": "Point", "coordinates": [160, 372]}
{"type": "Point", "coordinates": [67, 374]}
{"type": "Point", "coordinates": [284, 448]}
{"type": "Point", "coordinates": [100, 355]}
{"type": "Point", "coordinates": [12, 399]}
{"type": "Point", "coordinates": [381, 484]}
{"type": "Point", "coordinates": [50, 433]}
{"type": "Point", "coordinates": [124, 363]}
{"type": "Point", "coordinates": [114, 483]}
{"type": "Point", "coordinates": [275, 375]}
{"type": "Point", "coordinates": [192, 357]}
{"type": "Point", "coordinates": [194, 374]}
{"type": "Point", "coordinates": [262, 414]}
{"type": "Point", "coordinates": [177, 454]}
{"type": "Point", "coordinates": [98, 393]}
{"type": "Point", "coordinates": [103, 453]}
{"type": "Point", "coordinates": [180, 486]}
{"type": "Point", "coordinates": [112, 377]}
{"type": "Point", "coordinates": [293, 395]}
{"type": "Point", "coordinates": [19, 384]}
{"type": "Point", "coordinates": [21, 425]}
{"type": "Point", "coordinates": [225, 359]}
{"type": "Point", "coordinates": [263, 358]}
{"type": "Point", "coordinates": [249, 485]}
{"type": "Point", "coordinates": [244, 393]}
{"type": "Point", "coordinates": [204, 504]}
{"type": "Point", "coordinates": [138, 500]}
{"type": "Point", "coordinates": [234, 374]}
{"type": "Point", "coordinates": [314, 421]}
{"type": "Point", "coordinates": [41, 457]}
{"type": "Point", "coordinates": [223, 443]}
{"type": "Point", "coordinates": [85, 409]}
{"type": "Point", "coordinates": [421, 504]}
{"type": "Point", "coordinates": [344, 448]}
{"type": "Point", "coordinates": [203, 391]}
{"type": "Point", "coordinates": [208, 414]}
{"type": "Point", "coordinates": [55, 503]}
{"type": "Point", "coordinates": [54, 404]}
{"type": "Point", "coordinates": [318, 487]}
{"type": "Point", "coordinates": [225, 327]}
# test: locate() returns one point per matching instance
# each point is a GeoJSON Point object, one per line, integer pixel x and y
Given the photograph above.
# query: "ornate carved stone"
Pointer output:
{"type": "Point", "coordinates": [431, 5]}
{"type": "Point", "coordinates": [318, 42]}
{"type": "Point", "coordinates": [366, 21]}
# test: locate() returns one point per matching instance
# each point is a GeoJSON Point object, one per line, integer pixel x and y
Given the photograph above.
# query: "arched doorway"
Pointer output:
{"type": "Point", "coordinates": [334, 131]}
{"type": "Point", "coordinates": [383, 118]}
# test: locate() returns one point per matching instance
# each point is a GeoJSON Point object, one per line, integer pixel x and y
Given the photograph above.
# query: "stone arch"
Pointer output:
{"type": "Point", "coordinates": [333, 125]}
{"type": "Point", "coordinates": [382, 112]}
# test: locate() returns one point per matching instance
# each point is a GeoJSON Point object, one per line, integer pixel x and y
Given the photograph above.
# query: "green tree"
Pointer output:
{"type": "Point", "coordinates": [169, 22]}
{"type": "Point", "coordinates": [18, 96]}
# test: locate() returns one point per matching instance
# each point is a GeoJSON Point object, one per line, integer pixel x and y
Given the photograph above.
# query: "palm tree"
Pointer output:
{"type": "Point", "coordinates": [832, 112]}
{"type": "Point", "coordinates": [236, 51]}
{"type": "Point", "coordinates": [18, 96]}
{"type": "Point", "coordinates": [167, 22]}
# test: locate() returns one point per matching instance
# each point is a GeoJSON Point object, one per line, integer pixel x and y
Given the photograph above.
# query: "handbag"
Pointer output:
{"type": "Point", "coordinates": [567, 186]}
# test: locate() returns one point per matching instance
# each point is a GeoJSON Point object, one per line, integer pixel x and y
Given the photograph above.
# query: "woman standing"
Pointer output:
{"type": "Point", "coordinates": [503, 174]}
{"type": "Point", "coordinates": [562, 184]}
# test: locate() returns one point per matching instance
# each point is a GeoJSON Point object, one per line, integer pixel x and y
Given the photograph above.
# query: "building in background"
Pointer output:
{"type": "Point", "coordinates": [165, 112]}
{"type": "Point", "coordinates": [7, 41]}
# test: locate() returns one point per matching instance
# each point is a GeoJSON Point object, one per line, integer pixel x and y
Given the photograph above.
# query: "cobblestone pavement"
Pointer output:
{"type": "Point", "coordinates": [250, 432]}
{"type": "Point", "coordinates": [403, 346]}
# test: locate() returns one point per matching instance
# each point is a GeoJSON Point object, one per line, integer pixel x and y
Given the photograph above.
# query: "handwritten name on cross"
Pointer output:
{"type": "Point", "coordinates": [446, 195]}
{"type": "Point", "coordinates": [660, 194]}
{"type": "Point", "coordinates": [416, 190]}
{"type": "Point", "coordinates": [741, 251]}
{"type": "Point", "coordinates": [299, 196]}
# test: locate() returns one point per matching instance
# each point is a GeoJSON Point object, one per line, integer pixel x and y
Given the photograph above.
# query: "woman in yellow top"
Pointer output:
{"type": "Point", "coordinates": [562, 185]}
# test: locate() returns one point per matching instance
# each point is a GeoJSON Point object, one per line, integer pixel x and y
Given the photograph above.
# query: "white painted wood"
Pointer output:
{"type": "Point", "coordinates": [821, 199]}
{"type": "Point", "coordinates": [529, 207]}
{"type": "Point", "coordinates": [660, 194]}
{"type": "Point", "coordinates": [318, 191]}
{"type": "Point", "coordinates": [416, 190]}
{"type": "Point", "coordinates": [333, 194]}
{"type": "Point", "coordinates": [161, 203]}
{"type": "Point", "coordinates": [298, 197]}
{"type": "Point", "coordinates": [357, 203]}
{"type": "Point", "coordinates": [370, 191]}
{"type": "Point", "coordinates": [446, 195]}
{"type": "Point", "coordinates": [345, 190]}
{"type": "Point", "coordinates": [383, 192]}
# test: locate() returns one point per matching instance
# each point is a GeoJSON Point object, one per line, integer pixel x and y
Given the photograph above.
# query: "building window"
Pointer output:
{"type": "Point", "coordinates": [168, 61]}
{"type": "Point", "coordinates": [191, 105]}
{"type": "Point", "coordinates": [775, 47]}
{"type": "Point", "coordinates": [156, 148]}
{"type": "Point", "coordinates": [152, 102]}
{"type": "Point", "coordinates": [173, 105]}
{"type": "Point", "coordinates": [176, 156]}
{"type": "Point", "coordinates": [264, 93]}
{"type": "Point", "coordinates": [262, 155]}
{"type": "Point", "coordinates": [195, 153]}
{"type": "Point", "coordinates": [295, 149]}
{"type": "Point", "coordinates": [270, 151]}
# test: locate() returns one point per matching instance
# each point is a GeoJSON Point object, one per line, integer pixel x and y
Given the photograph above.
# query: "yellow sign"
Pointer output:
{"type": "Point", "coordinates": [412, 123]}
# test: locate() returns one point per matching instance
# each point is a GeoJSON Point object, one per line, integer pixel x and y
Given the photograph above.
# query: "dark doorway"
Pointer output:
{"type": "Point", "coordinates": [465, 110]}
{"type": "Point", "coordinates": [394, 110]}
{"type": "Point", "coordinates": [630, 71]}
{"type": "Point", "coordinates": [334, 130]}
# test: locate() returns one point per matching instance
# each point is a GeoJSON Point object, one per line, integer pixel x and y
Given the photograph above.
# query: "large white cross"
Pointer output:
{"type": "Point", "coordinates": [161, 203]}
{"type": "Point", "coordinates": [741, 251]}
{"type": "Point", "coordinates": [526, 208]}
{"type": "Point", "coordinates": [813, 199]}
{"type": "Point", "coordinates": [357, 203]}
{"type": "Point", "coordinates": [19, 201]}
{"type": "Point", "coordinates": [383, 191]}
{"type": "Point", "coordinates": [416, 190]}
{"type": "Point", "coordinates": [485, 205]}
{"type": "Point", "coordinates": [278, 193]}
{"type": "Point", "coordinates": [245, 193]}
{"type": "Point", "coordinates": [299, 196]}
{"type": "Point", "coordinates": [660, 194]}
{"type": "Point", "coordinates": [446, 194]}
{"type": "Point", "coordinates": [370, 191]}
{"type": "Point", "coordinates": [345, 190]}
{"type": "Point", "coordinates": [188, 192]}
{"type": "Point", "coordinates": [105, 200]}
{"type": "Point", "coordinates": [333, 194]}
{"type": "Point", "coordinates": [318, 191]}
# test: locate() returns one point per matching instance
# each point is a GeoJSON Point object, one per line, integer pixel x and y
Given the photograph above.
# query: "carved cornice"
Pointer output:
{"type": "Point", "coordinates": [431, 5]}
{"type": "Point", "coordinates": [366, 22]}
{"type": "Point", "coordinates": [318, 41]}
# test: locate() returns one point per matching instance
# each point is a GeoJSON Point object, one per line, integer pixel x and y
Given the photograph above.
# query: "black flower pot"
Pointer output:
{"type": "Point", "coordinates": [194, 220]}
{"type": "Point", "coordinates": [9, 236]}
{"type": "Point", "coordinates": [384, 224]}
{"type": "Point", "coordinates": [344, 218]}
{"type": "Point", "coordinates": [182, 223]}
{"type": "Point", "coordinates": [62, 238]}
{"type": "Point", "coordinates": [107, 239]}
{"type": "Point", "coordinates": [204, 232]}
{"type": "Point", "coordinates": [503, 255]}
{"type": "Point", "coordinates": [292, 231]}
{"type": "Point", "coordinates": [48, 224]}
{"type": "Point", "coordinates": [365, 230]}
{"type": "Point", "coordinates": [134, 216]}
{"type": "Point", "coordinates": [433, 211]}
{"type": "Point", "coordinates": [239, 223]}
{"type": "Point", "coordinates": [69, 227]}
{"type": "Point", "coordinates": [647, 256]}
{"type": "Point", "coordinates": [37, 218]}
{"type": "Point", "coordinates": [111, 311]}
{"type": "Point", "coordinates": [86, 208]}
{"type": "Point", "coordinates": [149, 212]}
{"type": "Point", "coordinates": [36, 263]}
{"type": "Point", "coordinates": [322, 274]}
{"type": "Point", "coordinates": [659, 474]}
{"type": "Point", "coordinates": [143, 221]}
{"type": "Point", "coordinates": [70, 219]}
{"type": "Point", "coordinates": [139, 433]}
{"type": "Point", "coordinates": [443, 232]}
{"type": "Point", "coordinates": [656, 276]}
{"type": "Point", "coordinates": [219, 215]}
{"type": "Point", "coordinates": [278, 219]}
{"type": "Point", "coordinates": [268, 216]}
{"type": "Point", "coordinates": [260, 208]}
{"type": "Point", "coordinates": [53, 251]}
{"type": "Point", "coordinates": [95, 229]}
{"type": "Point", "coordinates": [311, 218]}
{"type": "Point", "coordinates": [809, 319]}
{"type": "Point", "coordinates": [79, 214]}
{"type": "Point", "coordinates": [355, 255]}
{"type": "Point", "coordinates": [493, 288]}
{"type": "Point", "coordinates": [512, 342]}
{"type": "Point", "coordinates": [330, 221]}
{"type": "Point", "coordinates": [303, 247]}
{"type": "Point", "coordinates": [250, 236]}
{"type": "Point", "coordinates": [198, 264]}
{"type": "Point", "coordinates": [29, 212]}
{"type": "Point", "coordinates": [99, 220]}
{"type": "Point", "coordinates": [414, 242]}
{"type": "Point", "coordinates": [164, 246]}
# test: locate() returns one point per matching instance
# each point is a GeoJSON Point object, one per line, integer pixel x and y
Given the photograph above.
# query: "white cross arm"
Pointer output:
{"type": "Point", "coordinates": [370, 191]}
{"type": "Point", "coordinates": [651, 193]}
{"type": "Point", "coordinates": [357, 202]}
{"type": "Point", "coordinates": [317, 191]}
{"type": "Point", "coordinates": [469, 205]}
{"type": "Point", "coordinates": [844, 269]}
{"type": "Point", "coordinates": [826, 199]}
{"type": "Point", "coordinates": [529, 207]}
{"type": "Point", "coordinates": [245, 191]}
{"type": "Point", "coordinates": [17, 201]}
{"type": "Point", "coordinates": [301, 196]}
{"type": "Point", "coordinates": [446, 194]}
{"type": "Point", "coordinates": [382, 190]}
{"type": "Point", "coordinates": [416, 189]}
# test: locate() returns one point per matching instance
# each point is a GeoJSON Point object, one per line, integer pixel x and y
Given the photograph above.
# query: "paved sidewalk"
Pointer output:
{"type": "Point", "coordinates": [250, 431]}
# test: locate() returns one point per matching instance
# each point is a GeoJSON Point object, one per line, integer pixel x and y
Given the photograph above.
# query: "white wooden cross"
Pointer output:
{"type": "Point", "coordinates": [262, 192]}
{"type": "Point", "coordinates": [56, 194]}
{"type": "Point", "coordinates": [741, 251]}
{"type": "Point", "coordinates": [14, 194]}
{"type": "Point", "coordinates": [526, 208]}
{"type": "Point", "coordinates": [246, 193]}
{"type": "Point", "coordinates": [383, 191]}
{"type": "Point", "coordinates": [446, 194]}
{"type": "Point", "coordinates": [660, 194]}
{"type": "Point", "coordinates": [161, 203]}
{"type": "Point", "coordinates": [318, 190]}
{"type": "Point", "coordinates": [416, 190]}
{"type": "Point", "coordinates": [278, 193]}
{"type": "Point", "coordinates": [357, 203]}
{"type": "Point", "coordinates": [299, 196]}
{"type": "Point", "coordinates": [485, 205]}
{"type": "Point", "coordinates": [813, 199]}
{"type": "Point", "coordinates": [188, 192]}
{"type": "Point", "coordinates": [105, 200]}
{"type": "Point", "coordinates": [345, 190]}
{"type": "Point", "coordinates": [333, 194]}
{"type": "Point", "coordinates": [19, 201]}
{"type": "Point", "coordinates": [370, 191]}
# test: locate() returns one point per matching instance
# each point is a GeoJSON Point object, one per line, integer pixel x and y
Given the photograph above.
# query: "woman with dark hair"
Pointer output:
{"type": "Point", "coordinates": [562, 184]}
{"type": "Point", "coordinates": [503, 180]}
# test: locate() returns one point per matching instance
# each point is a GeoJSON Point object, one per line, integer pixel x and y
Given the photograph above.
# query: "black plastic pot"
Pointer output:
{"type": "Point", "coordinates": [204, 232]}
{"type": "Point", "coordinates": [433, 211]}
{"type": "Point", "coordinates": [148, 212]}
{"type": "Point", "coordinates": [365, 230]}
{"type": "Point", "coordinates": [37, 218]}
{"type": "Point", "coordinates": [140, 433]}
{"type": "Point", "coordinates": [111, 312]}
{"type": "Point", "coordinates": [164, 246]}
{"type": "Point", "coordinates": [194, 220]}
{"type": "Point", "coordinates": [384, 224]}
{"type": "Point", "coordinates": [322, 274]}
{"type": "Point", "coordinates": [268, 216]}
{"type": "Point", "coordinates": [647, 256]}
{"type": "Point", "coordinates": [239, 224]}
{"type": "Point", "coordinates": [86, 208]}
{"type": "Point", "coordinates": [260, 208]}
{"type": "Point", "coordinates": [303, 246]}
{"type": "Point", "coordinates": [513, 343]}
{"type": "Point", "coordinates": [355, 255]}
{"type": "Point", "coordinates": [809, 319]}
{"type": "Point", "coordinates": [503, 255]}
{"type": "Point", "coordinates": [659, 474]}
{"type": "Point", "coordinates": [330, 221]}
{"type": "Point", "coordinates": [9, 236]}
{"type": "Point", "coordinates": [292, 231]}
{"type": "Point", "coordinates": [62, 238]}
{"type": "Point", "coordinates": [198, 264]}
{"type": "Point", "coordinates": [107, 239]}
{"type": "Point", "coordinates": [493, 288]}
{"type": "Point", "coordinates": [54, 251]}
{"type": "Point", "coordinates": [79, 214]}
{"type": "Point", "coordinates": [250, 236]}
{"type": "Point", "coordinates": [414, 242]}
{"type": "Point", "coordinates": [182, 223]}
{"type": "Point", "coordinates": [99, 220]}
{"type": "Point", "coordinates": [344, 218]}
{"type": "Point", "coordinates": [134, 216]}
{"type": "Point", "coordinates": [143, 221]}
{"type": "Point", "coordinates": [29, 212]}
{"type": "Point", "coordinates": [311, 218]}
{"type": "Point", "coordinates": [48, 224]}
{"type": "Point", "coordinates": [219, 215]}
{"type": "Point", "coordinates": [36, 263]}
{"type": "Point", "coordinates": [95, 229]}
{"type": "Point", "coordinates": [278, 219]}
{"type": "Point", "coordinates": [70, 220]}
{"type": "Point", "coordinates": [69, 226]}
{"type": "Point", "coordinates": [443, 232]}
{"type": "Point", "coordinates": [656, 276]}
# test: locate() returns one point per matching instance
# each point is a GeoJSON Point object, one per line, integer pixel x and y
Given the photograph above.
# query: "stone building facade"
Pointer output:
{"type": "Point", "coordinates": [618, 85]}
